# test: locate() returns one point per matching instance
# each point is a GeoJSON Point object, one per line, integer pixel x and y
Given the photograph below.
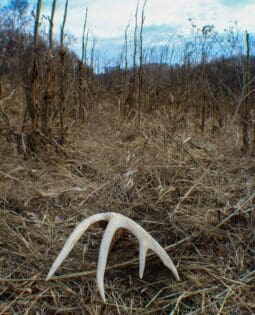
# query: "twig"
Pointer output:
{"type": "Point", "coordinates": [190, 190]}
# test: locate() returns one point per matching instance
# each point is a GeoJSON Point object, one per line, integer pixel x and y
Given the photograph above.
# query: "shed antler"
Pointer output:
{"type": "Point", "coordinates": [116, 221]}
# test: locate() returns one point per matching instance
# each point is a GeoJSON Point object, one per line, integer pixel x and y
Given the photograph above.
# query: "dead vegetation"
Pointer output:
{"type": "Point", "coordinates": [195, 195]}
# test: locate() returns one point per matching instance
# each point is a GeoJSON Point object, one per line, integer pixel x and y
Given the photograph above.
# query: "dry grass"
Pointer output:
{"type": "Point", "coordinates": [195, 196]}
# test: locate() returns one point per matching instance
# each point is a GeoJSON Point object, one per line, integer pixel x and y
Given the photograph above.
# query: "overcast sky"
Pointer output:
{"type": "Point", "coordinates": [107, 19]}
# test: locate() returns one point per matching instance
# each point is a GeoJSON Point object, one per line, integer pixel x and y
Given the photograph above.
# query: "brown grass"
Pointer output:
{"type": "Point", "coordinates": [196, 197]}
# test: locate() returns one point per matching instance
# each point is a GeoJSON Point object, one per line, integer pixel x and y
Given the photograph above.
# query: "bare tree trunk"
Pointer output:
{"type": "Point", "coordinates": [32, 105]}
{"type": "Point", "coordinates": [125, 55]}
{"type": "Point", "coordinates": [82, 72]}
{"type": "Point", "coordinates": [140, 73]}
{"type": "Point", "coordinates": [62, 55]}
{"type": "Point", "coordinates": [48, 94]}
{"type": "Point", "coordinates": [253, 140]}
{"type": "Point", "coordinates": [245, 112]}
{"type": "Point", "coordinates": [132, 97]}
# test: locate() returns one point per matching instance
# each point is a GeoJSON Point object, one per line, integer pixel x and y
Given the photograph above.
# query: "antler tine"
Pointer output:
{"type": "Point", "coordinates": [146, 241]}
{"type": "Point", "coordinates": [74, 238]}
{"type": "Point", "coordinates": [111, 228]}
{"type": "Point", "coordinates": [142, 257]}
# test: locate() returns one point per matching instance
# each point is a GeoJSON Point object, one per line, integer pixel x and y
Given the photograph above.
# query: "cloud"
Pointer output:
{"type": "Point", "coordinates": [107, 20]}
{"type": "Point", "coordinates": [159, 32]}
{"type": "Point", "coordinates": [236, 3]}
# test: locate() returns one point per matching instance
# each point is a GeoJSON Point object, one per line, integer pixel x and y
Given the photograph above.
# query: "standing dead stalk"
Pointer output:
{"type": "Point", "coordinates": [48, 94]}
{"type": "Point", "coordinates": [32, 105]}
{"type": "Point", "coordinates": [82, 72]}
{"type": "Point", "coordinates": [62, 55]}
{"type": "Point", "coordinates": [245, 112]}
{"type": "Point", "coordinates": [140, 73]}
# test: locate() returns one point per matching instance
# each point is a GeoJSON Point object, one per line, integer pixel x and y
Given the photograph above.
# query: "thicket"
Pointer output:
{"type": "Point", "coordinates": [211, 85]}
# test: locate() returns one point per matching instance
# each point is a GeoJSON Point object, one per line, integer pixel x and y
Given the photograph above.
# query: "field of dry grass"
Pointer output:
{"type": "Point", "coordinates": [195, 194]}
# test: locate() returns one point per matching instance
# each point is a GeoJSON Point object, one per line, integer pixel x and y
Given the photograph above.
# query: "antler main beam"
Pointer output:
{"type": "Point", "coordinates": [116, 221]}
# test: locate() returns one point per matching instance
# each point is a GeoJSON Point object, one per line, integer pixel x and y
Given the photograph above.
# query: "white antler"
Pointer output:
{"type": "Point", "coordinates": [116, 221]}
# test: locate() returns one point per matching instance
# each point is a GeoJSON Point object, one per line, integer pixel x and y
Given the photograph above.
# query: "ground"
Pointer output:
{"type": "Point", "coordinates": [193, 192]}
